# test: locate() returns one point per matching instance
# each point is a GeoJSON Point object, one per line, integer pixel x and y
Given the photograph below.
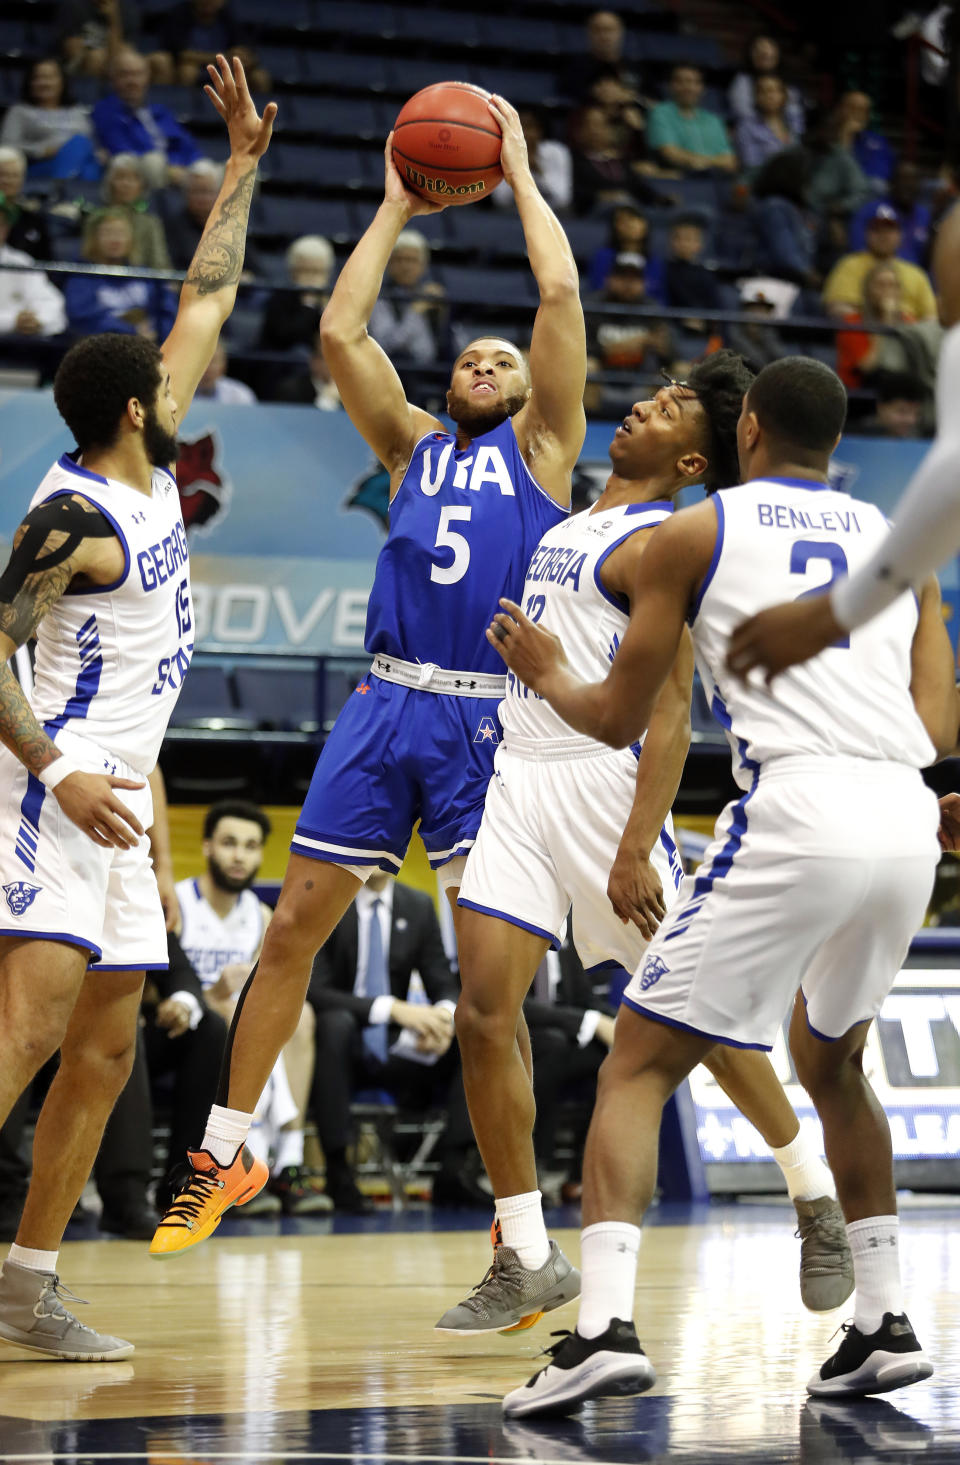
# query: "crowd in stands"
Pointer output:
{"type": "Point", "coordinates": [709, 181]}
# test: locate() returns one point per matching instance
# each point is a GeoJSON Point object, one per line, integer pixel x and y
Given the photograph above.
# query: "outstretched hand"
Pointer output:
{"type": "Point", "coordinates": [782, 636]}
{"type": "Point", "coordinates": [529, 651]}
{"type": "Point", "coordinates": [513, 149]}
{"type": "Point", "coordinates": [396, 191]}
{"type": "Point", "coordinates": [228, 91]}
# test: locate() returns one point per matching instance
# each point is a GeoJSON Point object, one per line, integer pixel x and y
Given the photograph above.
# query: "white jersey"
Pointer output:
{"type": "Point", "coordinates": [211, 942]}
{"type": "Point", "coordinates": [565, 594]}
{"type": "Point", "coordinates": [780, 539]}
{"type": "Point", "coordinates": [111, 659]}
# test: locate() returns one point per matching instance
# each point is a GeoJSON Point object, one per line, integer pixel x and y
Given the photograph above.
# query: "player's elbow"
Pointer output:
{"type": "Point", "coordinates": [561, 286]}
{"type": "Point", "coordinates": [338, 331]}
{"type": "Point", "coordinates": [618, 729]}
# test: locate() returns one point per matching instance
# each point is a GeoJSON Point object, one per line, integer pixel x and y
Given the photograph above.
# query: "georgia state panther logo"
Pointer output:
{"type": "Point", "coordinates": [653, 969]}
{"type": "Point", "coordinates": [20, 896]}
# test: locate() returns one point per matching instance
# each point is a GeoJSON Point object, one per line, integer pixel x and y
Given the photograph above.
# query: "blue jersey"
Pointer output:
{"type": "Point", "coordinates": [463, 526]}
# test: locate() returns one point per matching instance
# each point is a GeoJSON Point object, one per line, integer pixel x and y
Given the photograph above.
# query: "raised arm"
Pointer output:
{"type": "Point", "coordinates": [369, 387]}
{"type": "Point", "coordinates": [551, 427]}
{"type": "Point", "coordinates": [933, 673]}
{"type": "Point", "coordinates": [210, 289]}
{"type": "Point", "coordinates": [618, 710]}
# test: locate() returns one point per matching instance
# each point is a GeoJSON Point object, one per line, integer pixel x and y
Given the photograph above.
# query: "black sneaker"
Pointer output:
{"type": "Point", "coordinates": [607, 1367]}
{"type": "Point", "coordinates": [873, 1363]}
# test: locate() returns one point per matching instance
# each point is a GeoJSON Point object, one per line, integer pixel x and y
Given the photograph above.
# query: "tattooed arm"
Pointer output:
{"type": "Point", "coordinates": [210, 288]}
{"type": "Point", "coordinates": [56, 542]}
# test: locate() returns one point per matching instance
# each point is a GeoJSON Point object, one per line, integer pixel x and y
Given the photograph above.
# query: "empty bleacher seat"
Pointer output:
{"type": "Point", "coordinates": [360, 18]}
{"type": "Point", "coordinates": [492, 232]}
{"type": "Point", "coordinates": [346, 117]}
{"type": "Point", "coordinates": [675, 50]}
{"type": "Point", "coordinates": [279, 696]}
{"type": "Point", "coordinates": [207, 700]}
{"type": "Point", "coordinates": [18, 38]}
{"type": "Point", "coordinates": [286, 65]}
{"type": "Point", "coordinates": [520, 36]}
{"type": "Point", "coordinates": [287, 218]}
{"type": "Point", "coordinates": [586, 236]}
{"type": "Point", "coordinates": [521, 87]}
{"type": "Point", "coordinates": [488, 287]}
{"type": "Point", "coordinates": [279, 16]}
{"type": "Point", "coordinates": [345, 71]}
{"type": "Point", "coordinates": [323, 167]}
{"type": "Point", "coordinates": [454, 27]}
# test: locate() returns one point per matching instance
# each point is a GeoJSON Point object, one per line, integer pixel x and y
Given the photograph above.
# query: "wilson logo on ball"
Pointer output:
{"type": "Point", "coordinates": [440, 185]}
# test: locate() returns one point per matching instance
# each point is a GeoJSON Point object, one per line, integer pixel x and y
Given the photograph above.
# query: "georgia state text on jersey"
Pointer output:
{"type": "Point", "coordinates": [565, 594]}
{"type": "Point", "coordinates": [468, 520]}
{"type": "Point", "coordinates": [781, 539]}
{"type": "Point", "coordinates": [111, 658]}
{"type": "Point", "coordinates": [212, 942]}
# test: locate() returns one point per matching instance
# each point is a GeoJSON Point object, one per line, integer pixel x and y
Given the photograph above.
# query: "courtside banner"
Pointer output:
{"type": "Point", "coordinates": [286, 511]}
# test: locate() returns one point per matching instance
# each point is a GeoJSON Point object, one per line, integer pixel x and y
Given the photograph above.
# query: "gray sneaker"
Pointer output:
{"type": "Point", "coordinates": [32, 1315]}
{"type": "Point", "coordinates": [509, 1293]}
{"type": "Point", "coordinates": [826, 1266]}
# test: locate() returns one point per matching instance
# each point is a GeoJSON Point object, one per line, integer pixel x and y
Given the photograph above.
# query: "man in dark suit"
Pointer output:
{"type": "Point", "coordinates": [370, 1035]}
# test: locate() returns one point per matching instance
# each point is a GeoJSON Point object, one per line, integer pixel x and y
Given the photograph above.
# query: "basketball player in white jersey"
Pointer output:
{"type": "Point", "coordinates": [817, 879]}
{"type": "Point", "coordinates": [926, 530]}
{"type": "Point", "coordinates": [99, 574]}
{"type": "Point", "coordinates": [553, 835]}
{"type": "Point", "coordinates": [221, 923]}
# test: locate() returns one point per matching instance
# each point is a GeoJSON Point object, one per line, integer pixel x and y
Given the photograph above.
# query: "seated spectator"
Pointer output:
{"type": "Point", "coordinates": [550, 164]}
{"type": "Point", "coordinates": [29, 304]}
{"type": "Point", "coordinates": [369, 1034]}
{"type": "Point", "coordinates": [216, 386]}
{"type": "Point", "coordinates": [914, 216]}
{"type": "Point", "coordinates": [186, 210]}
{"type": "Point", "coordinates": [293, 320]}
{"type": "Point", "coordinates": [125, 190]}
{"type": "Point", "coordinates": [29, 230]}
{"type": "Point", "coordinates": [628, 235]}
{"type": "Point", "coordinates": [53, 133]}
{"type": "Point", "coordinates": [762, 58]}
{"type": "Point", "coordinates": [685, 135]}
{"type": "Point", "coordinates": [687, 280]}
{"type": "Point", "coordinates": [90, 31]}
{"type": "Point", "coordinates": [617, 342]}
{"type": "Point", "coordinates": [126, 121]}
{"type": "Point", "coordinates": [784, 227]}
{"type": "Point", "coordinates": [843, 290]}
{"type": "Point", "coordinates": [861, 352]}
{"type": "Point", "coordinates": [837, 182]}
{"type": "Point", "coordinates": [409, 317]}
{"type": "Point", "coordinates": [871, 150]}
{"type": "Point", "coordinates": [767, 132]}
{"type": "Point", "coordinates": [603, 56]}
{"type": "Point", "coordinates": [108, 303]}
{"type": "Point", "coordinates": [757, 339]}
{"type": "Point", "coordinates": [626, 117]}
{"type": "Point", "coordinates": [195, 32]}
{"type": "Point", "coordinates": [603, 170]}
{"type": "Point", "coordinates": [901, 402]}
{"type": "Point", "coordinates": [311, 383]}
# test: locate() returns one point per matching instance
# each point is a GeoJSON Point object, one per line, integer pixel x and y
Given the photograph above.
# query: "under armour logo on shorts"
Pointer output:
{"type": "Point", "coordinates": [20, 896]}
{"type": "Point", "coordinates": [653, 969]}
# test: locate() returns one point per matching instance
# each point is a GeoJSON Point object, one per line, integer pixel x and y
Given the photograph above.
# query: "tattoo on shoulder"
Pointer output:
{"type": "Point", "coordinates": [43, 561]}
{"type": "Point", "coordinates": [219, 258]}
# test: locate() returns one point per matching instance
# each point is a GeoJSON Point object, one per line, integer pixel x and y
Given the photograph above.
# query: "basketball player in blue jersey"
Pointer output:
{"type": "Point", "coordinates": [416, 740]}
{"type": "Point", "coordinates": [816, 881]}
{"type": "Point", "coordinates": [556, 832]}
{"type": "Point", "coordinates": [99, 574]}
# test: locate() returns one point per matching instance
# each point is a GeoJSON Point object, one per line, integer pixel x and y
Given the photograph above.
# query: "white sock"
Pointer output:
{"type": "Point", "coordinates": [608, 1269]}
{"type": "Point", "coordinates": [875, 1244]}
{"type": "Point", "coordinates": [37, 1261]}
{"type": "Point", "coordinates": [289, 1149]}
{"type": "Point", "coordinates": [807, 1174]}
{"type": "Point", "coordinates": [225, 1132]}
{"type": "Point", "coordinates": [522, 1228]}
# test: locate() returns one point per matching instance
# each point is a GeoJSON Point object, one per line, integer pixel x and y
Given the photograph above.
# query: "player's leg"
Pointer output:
{"type": "Point", "coordinates": [826, 1267]}
{"type": "Point", "coordinates": [450, 878]}
{"type": "Point", "coordinates": [96, 1055]}
{"type": "Point", "coordinates": [39, 984]}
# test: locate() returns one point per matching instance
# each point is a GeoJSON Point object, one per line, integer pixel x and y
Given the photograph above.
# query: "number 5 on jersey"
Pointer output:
{"type": "Point", "coordinates": [448, 538]}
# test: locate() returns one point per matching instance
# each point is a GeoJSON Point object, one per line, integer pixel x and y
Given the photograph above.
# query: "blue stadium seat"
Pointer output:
{"type": "Point", "coordinates": [348, 117]}
{"type": "Point", "coordinates": [18, 38]}
{"type": "Point", "coordinates": [287, 218]}
{"type": "Point", "coordinates": [279, 696]}
{"type": "Point", "coordinates": [286, 65]}
{"type": "Point", "coordinates": [11, 85]}
{"type": "Point", "coordinates": [518, 36]}
{"type": "Point", "coordinates": [323, 167]}
{"type": "Point", "coordinates": [360, 18]}
{"type": "Point", "coordinates": [671, 50]}
{"type": "Point", "coordinates": [283, 14]}
{"type": "Point", "coordinates": [586, 236]}
{"type": "Point", "coordinates": [487, 231]}
{"type": "Point", "coordinates": [345, 71]}
{"type": "Point", "coordinates": [487, 287]}
{"type": "Point", "coordinates": [207, 697]}
{"type": "Point", "coordinates": [444, 27]}
{"type": "Point", "coordinates": [409, 75]}
{"type": "Point", "coordinates": [522, 88]}
{"type": "Point", "coordinates": [185, 102]}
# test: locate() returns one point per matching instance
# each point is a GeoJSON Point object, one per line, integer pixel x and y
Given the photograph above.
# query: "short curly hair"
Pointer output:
{"type": "Point", "coordinates": [97, 378]}
{"type": "Point", "coordinates": [720, 382]}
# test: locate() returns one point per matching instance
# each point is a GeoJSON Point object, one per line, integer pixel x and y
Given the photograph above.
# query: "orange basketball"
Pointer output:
{"type": "Point", "coordinates": [446, 143]}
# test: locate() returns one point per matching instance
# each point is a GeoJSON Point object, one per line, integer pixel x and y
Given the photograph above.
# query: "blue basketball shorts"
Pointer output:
{"type": "Point", "coordinates": [398, 754]}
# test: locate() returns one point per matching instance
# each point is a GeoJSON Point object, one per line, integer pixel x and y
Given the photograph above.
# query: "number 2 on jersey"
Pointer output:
{"type": "Point", "coordinates": [805, 550]}
{"type": "Point", "coordinates": [448, 538]}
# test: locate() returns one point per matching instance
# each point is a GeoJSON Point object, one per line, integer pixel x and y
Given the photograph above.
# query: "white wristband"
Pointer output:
{"type": "Point", "coordinates": [58, 770]}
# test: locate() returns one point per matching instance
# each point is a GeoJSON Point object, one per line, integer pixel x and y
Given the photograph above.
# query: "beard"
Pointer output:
{"type": "Point", "coordinates": [474, 418]}
{"type": "Point", "coordinates": [232, 884]}
{"type": "Point", "coordinates": [159, 444]}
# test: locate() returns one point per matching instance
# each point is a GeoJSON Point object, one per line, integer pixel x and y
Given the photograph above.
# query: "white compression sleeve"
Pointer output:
{"type": "Point", "coordinates": [926, 520]}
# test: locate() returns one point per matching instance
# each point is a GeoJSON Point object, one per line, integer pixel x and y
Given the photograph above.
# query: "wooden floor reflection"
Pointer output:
{"type": "Point", "coordinates": [320, 1345]}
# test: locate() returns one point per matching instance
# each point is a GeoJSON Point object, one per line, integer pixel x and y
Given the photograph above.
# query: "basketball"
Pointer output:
{"type": "Point", "coordinates": [446, 143]}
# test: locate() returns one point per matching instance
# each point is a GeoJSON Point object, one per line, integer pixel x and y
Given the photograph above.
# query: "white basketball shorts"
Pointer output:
{"type": "Point", "coordinates": [549, 835]}
{"type": "Point", "coordinates": [58, 885]}
{"type": "Point", "coordinates": [817, 880]}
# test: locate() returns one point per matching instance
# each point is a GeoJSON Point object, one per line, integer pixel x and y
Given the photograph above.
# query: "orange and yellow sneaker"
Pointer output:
{"type": "Point", "coordinates": [205, 1191]}
{"type": "Point", "coordinates": [532, 1318]}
